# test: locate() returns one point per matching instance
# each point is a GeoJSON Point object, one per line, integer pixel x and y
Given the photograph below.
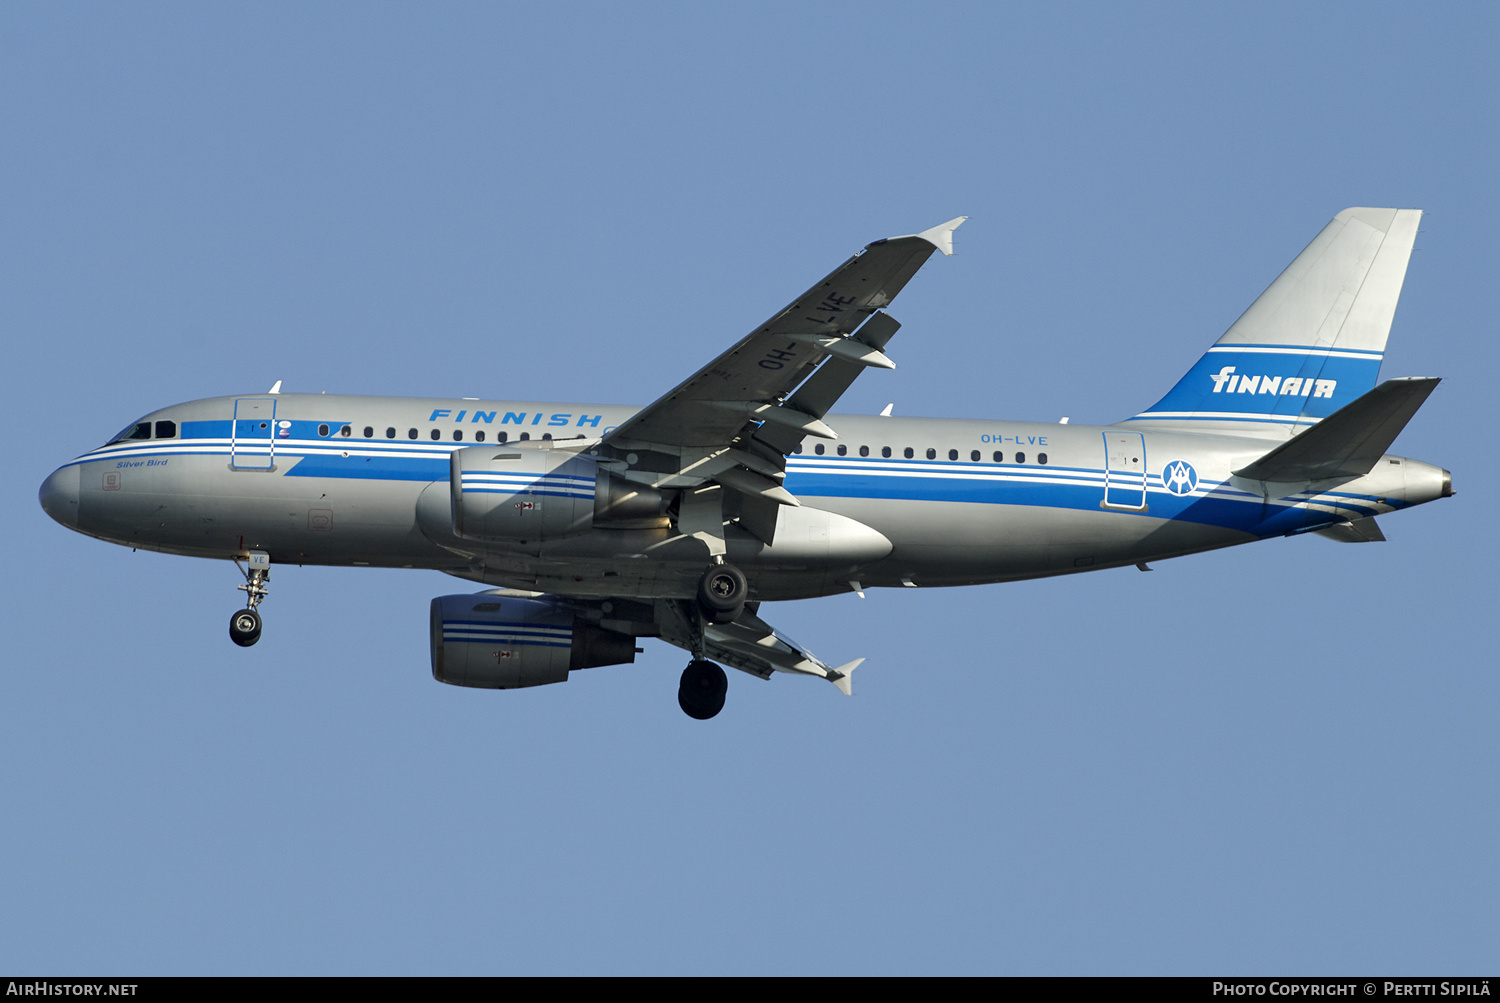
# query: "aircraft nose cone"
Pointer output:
{"type": "Point", "coordinates": [59, 496]}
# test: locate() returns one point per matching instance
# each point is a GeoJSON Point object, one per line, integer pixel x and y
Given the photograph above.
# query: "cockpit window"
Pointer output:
{"type": "Point", "coordinates": [135, 430]}
{"type": "Point", "coordinates": [166, 429]}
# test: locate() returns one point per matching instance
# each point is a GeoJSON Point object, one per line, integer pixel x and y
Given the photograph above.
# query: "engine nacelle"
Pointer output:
{"type": "Point", "coordinates": [507, 493]}
{"type": "Point", "coordinates": [501, 643]}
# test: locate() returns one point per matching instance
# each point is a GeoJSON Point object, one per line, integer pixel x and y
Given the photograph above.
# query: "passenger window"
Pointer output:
{"type": "Point", "coordinates": [390, 433]}
{"type": "Point", "coordinates": [843, 450]}
{"type": "Point", "coordinates": [864, 450]}
{"type": "Point", "coordinates": [797, 451]}
{"type": "Point", "coordinates": [974, 456]}
{"type": "Point", "coordinates": [1020, 457]}
{"type": "Point", "coordinates": [479, 435]}
{"type": "Point", "coordinates": [931, 453]}
{"type": "Point", "coordinates": [525, 437]}
{"type": "Point", "coordinates": [369, 432]}
{"type": "Point", "coordinates": [1041, 458]}
{"type": "Point", "coordinates": [999, 456]}
{"type": "Point", "coordinates": [458, 435]}
{"type": "Point", "coordinates": [952, 454]}
{"type": "Point", "coordinates": [411, 433]}
{"type": "Point", "coordinates": [345, 431]}
{"type": "Point", "coordinates": [546, 436]}
{"type": "Point", "coordinates": [885, 451]}
{"type": "Point", "coordinates": [818, 449]}
{"type": "Point", "coordinates": [436, 435]}
{"type": "Point", "coordinates": [907, 452]}
{"type": "Point", "coordinates": [322, 429]}
{"type": "Point", "coordinates": [503, 437]}
{"type": "Point", "coordinates": [166, 429]}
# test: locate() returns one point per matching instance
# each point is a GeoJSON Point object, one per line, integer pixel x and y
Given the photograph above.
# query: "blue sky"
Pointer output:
{"type": "Point", "coordinates": [1275, 759]}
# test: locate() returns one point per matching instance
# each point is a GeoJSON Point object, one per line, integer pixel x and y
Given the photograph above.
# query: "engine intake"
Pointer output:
{"type": "Point", "coordinates": [490, 643]}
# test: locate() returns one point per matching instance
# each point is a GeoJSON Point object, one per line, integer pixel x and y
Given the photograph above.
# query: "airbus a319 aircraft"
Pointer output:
{"type": "Point", "coordinates": [601, 524]}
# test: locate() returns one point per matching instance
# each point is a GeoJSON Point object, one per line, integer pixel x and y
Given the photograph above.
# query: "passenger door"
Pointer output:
{"type": "Point", "coordinates": [252, 438]}
{"type": "Point", "coordinates": [1124, 470]}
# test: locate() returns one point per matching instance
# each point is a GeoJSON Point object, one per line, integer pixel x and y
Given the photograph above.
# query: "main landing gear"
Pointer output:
{"type": "Point", "coordinates": [721, 598]}
{"type": "Point", "coordinates": [701, 692]}
{"type": "Point", "coordinates": [721, 593]}
{"type": "Point", "coordinates": [244, 626]}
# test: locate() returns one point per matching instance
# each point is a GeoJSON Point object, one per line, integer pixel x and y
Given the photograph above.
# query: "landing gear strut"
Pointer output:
{"type": "Point", "coordinates": [244, 626]}
{"type": "Point", "coordinates": [701, 692]}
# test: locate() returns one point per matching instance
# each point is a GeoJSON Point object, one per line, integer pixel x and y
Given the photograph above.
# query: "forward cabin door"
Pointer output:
{"type": "Point", "coordinates": [252, 436]}
{"type": "Point", "coordinates": [1124, 470]}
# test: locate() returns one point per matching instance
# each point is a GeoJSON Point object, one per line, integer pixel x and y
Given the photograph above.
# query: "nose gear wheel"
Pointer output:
{"type": "Point", "coordinates": [244, 627]}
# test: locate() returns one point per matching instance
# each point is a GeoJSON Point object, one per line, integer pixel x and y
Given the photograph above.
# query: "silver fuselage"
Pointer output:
{"type": "Point", "coordinates": [347, 480]}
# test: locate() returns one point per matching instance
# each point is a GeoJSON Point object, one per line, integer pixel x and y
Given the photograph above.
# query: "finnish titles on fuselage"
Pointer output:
{"type": "Point", "coordinates": [477, 417]}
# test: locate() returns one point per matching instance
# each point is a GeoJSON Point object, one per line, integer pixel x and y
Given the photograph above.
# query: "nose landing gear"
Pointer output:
{"type": "Point", "coordinates": [244, 627]}
{"type": "Point", "coordinates": [245, 624]}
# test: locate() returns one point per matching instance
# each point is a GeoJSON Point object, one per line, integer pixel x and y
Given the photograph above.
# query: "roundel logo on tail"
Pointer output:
{"type": "Point", "coordinates": [1179, 477]}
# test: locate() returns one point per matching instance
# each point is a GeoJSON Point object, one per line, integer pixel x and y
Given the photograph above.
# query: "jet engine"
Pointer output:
{"type": "Point", "coordinates": [504, 493]}
{"type": "Point", "coordinates": [501, 643]}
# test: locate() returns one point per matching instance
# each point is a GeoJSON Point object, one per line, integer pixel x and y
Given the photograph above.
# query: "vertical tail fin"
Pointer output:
{"type": "Point", "coordinates": [1311, 343]}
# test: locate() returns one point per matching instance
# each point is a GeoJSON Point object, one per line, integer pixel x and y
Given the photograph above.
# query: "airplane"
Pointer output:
{"type": "Point", "coordinates": [596, 525]}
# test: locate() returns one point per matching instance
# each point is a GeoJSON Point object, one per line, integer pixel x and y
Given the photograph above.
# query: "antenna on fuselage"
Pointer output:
{"type": "Point", "coordinates": [885, 412]}
{"type": "Point", "coordinates": [275, 388]}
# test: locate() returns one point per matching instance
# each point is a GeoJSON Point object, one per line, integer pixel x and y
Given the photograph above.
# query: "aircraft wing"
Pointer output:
{"type": "Point", "coordinates": [750, 645]}
{"type": "Point", "coordinates": [836, 320]}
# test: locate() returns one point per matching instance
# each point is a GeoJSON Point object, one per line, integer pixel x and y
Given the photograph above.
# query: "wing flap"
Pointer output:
{"type": "Point", "coordinates": [754, 646]}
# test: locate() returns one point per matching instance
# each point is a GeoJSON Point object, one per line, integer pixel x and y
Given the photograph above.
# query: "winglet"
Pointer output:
{"type": "Point", "coordinates": [842, 677]}
{"type": "Point", "coordinates": [941, 236]}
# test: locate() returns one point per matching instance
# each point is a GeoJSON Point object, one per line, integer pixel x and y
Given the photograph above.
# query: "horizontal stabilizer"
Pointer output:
{"type": "Point", "coordinates": [1348, 442]}
{"type": "Point", "coordinates": [1365, 530]}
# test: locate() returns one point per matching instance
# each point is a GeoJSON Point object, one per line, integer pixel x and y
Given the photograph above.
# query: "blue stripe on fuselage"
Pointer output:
{"type": "Point", "coordinates": [1222, 506]}
{"type": "Point", "coordinates": [1052, 486]}
{"type": "Point", "coordinates": [383, 468]}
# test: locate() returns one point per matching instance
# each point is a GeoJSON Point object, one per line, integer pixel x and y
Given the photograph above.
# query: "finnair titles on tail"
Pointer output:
{"type": "Point", "coordinates": [596, 525]}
